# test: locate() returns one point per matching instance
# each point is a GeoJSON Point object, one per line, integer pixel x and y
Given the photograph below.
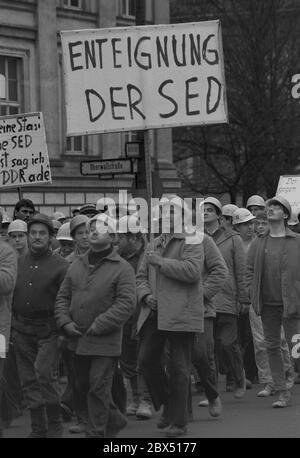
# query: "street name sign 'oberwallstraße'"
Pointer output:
{"type": "Point", "coordinates": [106, 167]}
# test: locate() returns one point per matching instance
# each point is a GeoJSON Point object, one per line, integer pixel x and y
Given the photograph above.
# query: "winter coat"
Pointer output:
{"type": "Point", "coordinates": [215, 273]}
{"type": "Point", "coordinates": [178, 288]}
{"type": "Point", "coordinates": [8, 276]}
{"type": "Point", "coordinates": [104, 295]}
{"type": "Point", "coordinates": [290, 273]}
{"type": "Point", "coordinates": [234, 292]}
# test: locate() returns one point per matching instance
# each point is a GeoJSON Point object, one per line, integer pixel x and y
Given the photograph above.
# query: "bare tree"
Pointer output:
{"type": "Point", "coordinates": [261, 50]}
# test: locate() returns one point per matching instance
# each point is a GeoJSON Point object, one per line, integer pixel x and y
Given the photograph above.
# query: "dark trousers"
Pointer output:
{"type": "Point", "coordinates": [118, 391]}
{"type": "Point", "coordinates": [204, 359]}
{"type": "Point", "coordinates": [171, 392]}
{"type": "Point", "coordinates": [12, 392]}
{"type": "Point", "coordinates": [272, 320]}
{"type": "Point", "coordinates": [247, 347]}
{"type": "Point", "coordinates": [94, 376]}
{"type": "Point", "coordinates": [38, 362]}
{"type": "Point", "coordinates": [227, 347]}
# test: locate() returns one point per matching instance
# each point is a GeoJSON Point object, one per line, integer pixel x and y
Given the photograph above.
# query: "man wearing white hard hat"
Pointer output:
{"type": "Point", "coordinates": [243, 222]}
{"type": "Point", "coordinates": [171, 310]}
{"type": "Point", "coordinates": [256, 204]}
{"type": "Point", "coordinates": [273, 278]}
{"type": "Point", "coordinates": [96, 298]}
{"type": "Point", "coordinates": [17, 236]}
{"type": "Point", "coordinates": [227, 214]}
{"type": "Point", "coordinates": [65, 240]}
{"type": "Point", "coordinates": [212, 211]}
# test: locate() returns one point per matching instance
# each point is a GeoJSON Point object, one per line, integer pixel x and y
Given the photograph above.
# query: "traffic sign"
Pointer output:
{"type": "Point", "coordinates": [133, 149]}
{"type": "Point", "coordinates": [106, 167]}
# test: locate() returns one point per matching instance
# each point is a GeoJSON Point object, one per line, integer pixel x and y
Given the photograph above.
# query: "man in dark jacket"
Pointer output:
{"type": "Point", "coordinates": [40, 273]}
{"type": "Point", "coordinates": [273, 276]}
{"type": "Point", "coordinates": [95, 300]}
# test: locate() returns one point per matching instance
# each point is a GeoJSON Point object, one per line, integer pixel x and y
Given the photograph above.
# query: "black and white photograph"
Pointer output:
{"type": "Point", "coordinates": [149, 222]}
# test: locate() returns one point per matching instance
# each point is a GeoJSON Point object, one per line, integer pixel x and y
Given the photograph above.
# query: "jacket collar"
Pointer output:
{"type": "Point", "coordinates": [161, 240]}
{"type": "Point", "coordinates": [113, 256]}
{"type": "Point", "coordinates": [288, 233]}
{"type": "Point", "coordinates": [225, 235]}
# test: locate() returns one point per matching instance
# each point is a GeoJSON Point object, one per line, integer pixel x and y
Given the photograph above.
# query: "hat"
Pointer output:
{"type": "Point", "coordinates": [229, 209]}
{"type": "Point", "coordinates": [58, 216]}
{"type": "Point", "coordinates": [77, 221]}
{"type": "Point", "coordinates": [40, 218]}
{"type": "Point", "coordinates": [279, 200]}
{"type": "Point", "coordinates": [56, 224]}
{"type": "Point", "coordinates": [103, 220]}
{"type": "Point", "coordinates": [17, 225]}
{"type": "Point", "coordinates": [213, 201]}
{"type": "Point", "coordinates": [294, 218]}
{"type": "Point", "coordinates": [64, 232]}
{"type": "Point", "coordinates": [255, 201]}
{"type": "Point", "coordinates": [87, 209]}
{"type": "Point", "coordinates": [242, 215]}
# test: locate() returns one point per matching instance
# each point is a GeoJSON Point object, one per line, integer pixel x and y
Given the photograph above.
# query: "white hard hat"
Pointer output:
{"type": "Point", "coordinates": [103, 220]}
{"type": "Point", "coordinates": [213, 201]}
{"type": "Point", "coordinates": [229, 209]}
{"type": "Point", "coordinates": [255, 200]}
{"type": "Point", "coordinates": [242, 215]}
{"type": "Point", "coordinates": [64, 232]}
{"type": "Point", "coordinates": [17, 225]}
{"type": "Point", "coordinates": [294, 218]}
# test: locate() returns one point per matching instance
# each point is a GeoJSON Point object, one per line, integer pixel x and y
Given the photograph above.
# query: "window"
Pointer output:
{"type": "Point", "coordinates": [132, 136]}
{"type": "Point", "coordinates": [73, 4]}
{"type": "Point", "coordinates": [126, 8]}
{"type": "Point", "coordinates": [75, 145]}
{"type": "Point", "coordinates": [11, 68]}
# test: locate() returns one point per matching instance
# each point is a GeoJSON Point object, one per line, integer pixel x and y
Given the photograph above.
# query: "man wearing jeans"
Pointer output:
{"type": "Point", "coordinates": [273, 276]}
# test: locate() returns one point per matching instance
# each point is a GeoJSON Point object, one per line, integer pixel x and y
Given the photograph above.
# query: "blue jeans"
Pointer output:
{"type": "Point", "coordinates": [272, 320]}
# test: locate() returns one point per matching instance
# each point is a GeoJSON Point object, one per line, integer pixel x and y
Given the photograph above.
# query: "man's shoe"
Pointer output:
{"type": "Point", "coordinates": [203, 403]}
{"type": "Point", "coordinates": [162, 423]}
{"type": "Point", "coordinates": [132, 409]}
{"type": "Point", "coordinates": [144, 412]}
{"type": "Point", "coordinates": [241, 390]}
{"type": "Point", "coordinates": [79, 428]}
{"type": "Point", "coordinates": [215, 407]}
{"type": "Point", "coordinates": [66, 412]}
{"type": "Point", "coordinates": [55, 427]}
{"type": "Point", "coordinates": [230, 387]}
{"type": "Point", "coordinates": [248, 384]}
{"type": "Point", "coordinates": [38, 423]}
{"type": "Point", "coordinates": [114, 429]}
{"type": "Point", "coordinates": [266, 392]}
{"type": "Point", "coordinates": [283, 400]}
{"type": "Point", "coordinates": [174, 431]}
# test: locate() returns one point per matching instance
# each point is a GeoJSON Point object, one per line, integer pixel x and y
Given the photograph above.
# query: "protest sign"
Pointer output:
{"type": "Point", "coordinates": [143, 77]}
{"type": "Point", "coordinates": [23, 151]}
{"type": "Point", "coordinates": [289, 187]}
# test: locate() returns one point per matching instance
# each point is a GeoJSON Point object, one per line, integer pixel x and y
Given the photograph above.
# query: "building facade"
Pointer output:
{"type": "Point", "coordinates": [31, 61]}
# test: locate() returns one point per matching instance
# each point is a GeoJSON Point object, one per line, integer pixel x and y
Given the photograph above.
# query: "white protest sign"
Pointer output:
{"type": "Point", "coordinates": [289, 187]}
{"type": "Point", "coordinates": [143, 77]}
{"type": "Point", "coordinates": [23, 151]}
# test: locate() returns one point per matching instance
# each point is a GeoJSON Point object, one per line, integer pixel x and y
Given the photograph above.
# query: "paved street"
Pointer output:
{"type": "Point", "coordinates": [251, 417]}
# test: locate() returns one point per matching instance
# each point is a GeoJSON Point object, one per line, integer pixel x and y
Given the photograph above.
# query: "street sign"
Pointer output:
{"type": "Point", "coordinates": [106, 167]}
{"type": "Point", "coordinates": [133, 149]}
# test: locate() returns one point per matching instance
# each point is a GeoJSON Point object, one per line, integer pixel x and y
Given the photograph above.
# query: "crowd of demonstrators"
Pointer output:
{"type": "Point", "coordinates": [128, 322]}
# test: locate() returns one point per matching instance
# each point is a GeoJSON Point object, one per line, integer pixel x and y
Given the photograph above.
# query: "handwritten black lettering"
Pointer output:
{"type": "Point", "coordinates": [175, 51]}
{"type": "Point", "coordinates": [214, 52]}
{"type": "Point", "coordinates": [115, 104]}
{"type": "Point", "coordinates": [212, 108]}
{"type": "Point", "coordinates": [189, 96]}
{"type": "Point", "coordinates": [131, 88]}
{"type": "Point", "coordinates": [160, 91]}
{"type": "Point", "coordinates": [73, 55]}
{"type": "Point", "coordinates": [89, 50]}
{"type": "Point", "coordinates": [116, 51]}
{"type": "Point", "coordinates": [91, 92]}
{"type": "Point", "coordinates": [148, 64]}
{"type": "Point", "coordinates": [100, 42]}
{"type": "Point", "coordinates": [162, 53]}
